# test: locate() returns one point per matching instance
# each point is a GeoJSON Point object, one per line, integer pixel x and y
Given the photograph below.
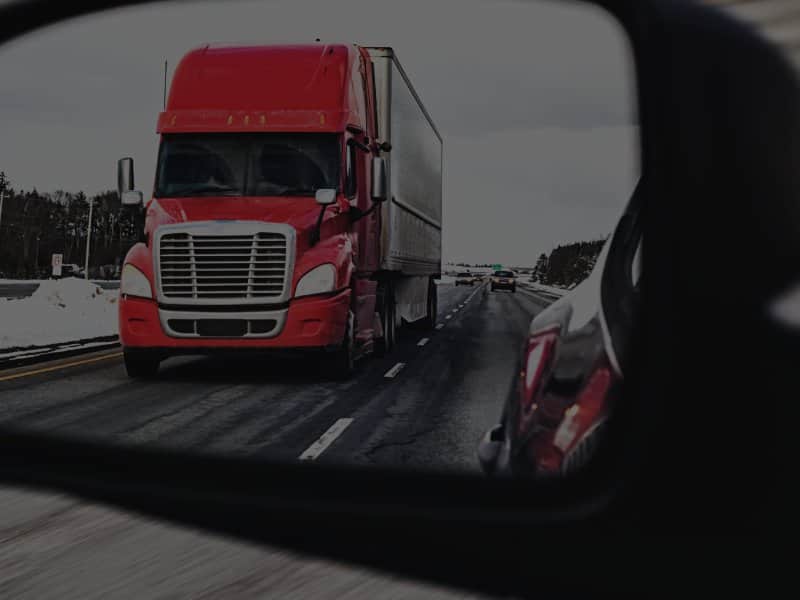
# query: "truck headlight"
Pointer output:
{"type": "Point", "coordinates": [318, 280]}
{"type": "Point", "coordinates": [134, 283]}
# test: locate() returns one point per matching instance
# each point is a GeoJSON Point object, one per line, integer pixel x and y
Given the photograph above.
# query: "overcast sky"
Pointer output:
{"type": "Point", "coordinates": [534, 101]}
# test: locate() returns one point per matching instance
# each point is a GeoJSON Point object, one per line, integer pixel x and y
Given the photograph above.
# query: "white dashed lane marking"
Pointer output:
{"type": "Point", "coordinates": [391, 373]}
{"type": "Point", "coordinates": [325, 440]}
{"type": "Point", "coordinates": [423, 341]}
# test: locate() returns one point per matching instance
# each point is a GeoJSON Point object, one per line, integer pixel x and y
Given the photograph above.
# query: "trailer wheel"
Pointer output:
{"type": "Point", "coordinates": [140, 365]}
{"type": "Point", "coordinates": [341, 363]}
{"type": "Point", "coordinates": [432, 311]}
{"type": "Point", "coordinates": [388, 314]}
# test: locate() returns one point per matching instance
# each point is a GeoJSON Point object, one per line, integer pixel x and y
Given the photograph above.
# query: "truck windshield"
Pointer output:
{"type": "Point", "coordinates": [247, 164]}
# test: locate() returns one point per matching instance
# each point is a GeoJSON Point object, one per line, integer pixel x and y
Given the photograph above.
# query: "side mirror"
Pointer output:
{"type": "Point", "coordinates": [379, 192]}
{"type": "Point", "coordinates": [325, 196]}
{"type": "Point", "coordinates": [124, 176]}
{"type": "Point", "coordinates": [129, 197]}
{"type": "Point", "coordinates": [132, 198]}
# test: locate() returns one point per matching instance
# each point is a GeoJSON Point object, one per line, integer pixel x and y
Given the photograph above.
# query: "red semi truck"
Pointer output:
{"type": "Point", "coordinates": [297, 205]}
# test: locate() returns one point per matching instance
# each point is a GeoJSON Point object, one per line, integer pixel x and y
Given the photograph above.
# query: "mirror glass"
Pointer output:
{"type": "Point", "coordinates": [132, 198]}
{"type": "Point", "coordinates": [378, 179]}
{"type": "Point", "coordinates": [125, 181]}
{"type": "Point", "coordinates": [325, 196]}
{"type": "Point", "coordinates": [510, 153]}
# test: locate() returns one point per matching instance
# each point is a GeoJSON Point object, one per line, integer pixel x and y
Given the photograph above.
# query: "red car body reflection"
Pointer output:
{"type": "Point", "coordinates": [571, 367]}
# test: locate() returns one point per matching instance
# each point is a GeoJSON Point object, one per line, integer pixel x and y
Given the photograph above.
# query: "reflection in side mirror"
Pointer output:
{"type": "Point", "coordinates": [132, 198]}
{"type": "Point", "coordinates": [125, 181]}
{"type": "Point", "coordinates": [325, 196]}
{"type": "Point", "coordinates": [234, 168]}
{"type": "Point", "coordinates": [378, 179]}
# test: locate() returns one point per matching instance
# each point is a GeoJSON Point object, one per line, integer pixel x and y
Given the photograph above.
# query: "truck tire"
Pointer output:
{"type": "Point", "coordinates": [388, 312]}
{"type": "Point", "coordinates": [341, 363]}
{"type": "Point", "coordinates": [432, 311]}
{"type": "Point", "coordinates": [140, 365]}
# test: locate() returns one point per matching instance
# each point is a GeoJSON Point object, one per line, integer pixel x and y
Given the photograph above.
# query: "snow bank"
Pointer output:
{"type": "Point", "coordinates": [556, 291]}
{"type": "Point", "coordinates": [3, 281]}
{"type": "Point", "coordinates": [60, 310]}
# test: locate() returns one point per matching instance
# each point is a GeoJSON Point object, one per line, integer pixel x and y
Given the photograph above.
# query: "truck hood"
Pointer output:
{"type": "Point", "coordinates": [299, 212]}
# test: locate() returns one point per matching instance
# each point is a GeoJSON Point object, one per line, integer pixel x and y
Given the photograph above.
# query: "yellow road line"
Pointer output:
{"type": "Point", "coordinates": [61, 366]}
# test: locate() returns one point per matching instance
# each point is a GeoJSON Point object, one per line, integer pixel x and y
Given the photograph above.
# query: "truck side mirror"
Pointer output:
{"type": "Point", "coordinates": [325, 196]}
{"type": "Point", "coordinates": [124, 175]}
{"type": "Point", "coordinates": [129, 197]}
{"type": "Point", "coordinates": [379, 192]}
{"type": "Point", "coordinates": [132, 198]}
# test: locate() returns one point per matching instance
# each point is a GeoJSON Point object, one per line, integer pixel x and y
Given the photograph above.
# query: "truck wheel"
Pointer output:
{"type": "Point", "coordinates": [388, 312]}
{"type": "Point", "coordinates": [140, 365]}
{"type": "Point", "coordinates": [432, 310]}
{"type": "Point", "coordinates": [514, 290]}
{"type": "Point", "coordinates": [341, 363]}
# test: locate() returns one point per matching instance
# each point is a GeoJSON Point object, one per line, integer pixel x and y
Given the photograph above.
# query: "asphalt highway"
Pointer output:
{"type": "Point", "coordinates": [424, 406]}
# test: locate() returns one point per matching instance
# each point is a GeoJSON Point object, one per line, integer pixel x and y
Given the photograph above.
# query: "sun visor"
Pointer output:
{"type": "Point", "coordinates": [196, 121]}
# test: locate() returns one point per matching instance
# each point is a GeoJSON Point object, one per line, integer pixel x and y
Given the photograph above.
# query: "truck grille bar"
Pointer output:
{"type": "Point", "coordinates": [197, 265]}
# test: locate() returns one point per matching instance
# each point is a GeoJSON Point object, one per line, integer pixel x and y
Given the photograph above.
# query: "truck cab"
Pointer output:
{"type": "Point", "coordinates": [274, 223]}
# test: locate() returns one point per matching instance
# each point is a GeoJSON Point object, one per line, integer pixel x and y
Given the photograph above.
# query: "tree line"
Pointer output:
{"type": "Point", "coordinates": [567, 265]}
{"type": "Point", "coordinates": [35, 225]}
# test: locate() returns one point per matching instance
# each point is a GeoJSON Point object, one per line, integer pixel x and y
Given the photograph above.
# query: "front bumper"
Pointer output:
{"type": "Point", "coordinates": [314, 322]}
{"type": "Point", "coordinates": [507, 285]}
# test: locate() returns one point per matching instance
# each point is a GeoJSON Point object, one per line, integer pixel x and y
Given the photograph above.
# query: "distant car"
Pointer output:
{"type": "Point", "coordinates": [571, 367]}
{"type": "Point", "coordinates": [71, 270]}
{"type": "Point", "coordinates": [465, 279]}
{"type": "Point", "coordinates": [504, 280]}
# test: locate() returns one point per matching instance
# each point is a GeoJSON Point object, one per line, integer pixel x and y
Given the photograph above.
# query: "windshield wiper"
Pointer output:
{"type": "Point", "coordinates": [223, 190]}
{"type": "Point", "coordinates": [279, 190]}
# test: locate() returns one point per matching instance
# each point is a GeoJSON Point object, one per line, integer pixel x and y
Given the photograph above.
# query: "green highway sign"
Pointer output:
{"type": "Point", "coordinates": [497, 267]}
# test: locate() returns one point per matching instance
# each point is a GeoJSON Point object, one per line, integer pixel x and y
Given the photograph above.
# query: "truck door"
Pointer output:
{"type": "Point", "coordinates": [368, 228]}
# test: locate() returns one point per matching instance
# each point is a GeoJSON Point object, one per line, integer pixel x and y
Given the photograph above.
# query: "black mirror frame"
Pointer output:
{"type": "Point", "coordinates": [375, 518]}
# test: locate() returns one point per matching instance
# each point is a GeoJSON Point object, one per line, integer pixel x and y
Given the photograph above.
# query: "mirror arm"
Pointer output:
{"type": "Point", "coordinates": [359, 145]}
{"type": "Point", "coordinates": [315, 233]}
{"type": "Point", "coordinates": [140, 223]}
{"type": "Point", "coordinates": [358, 214]}
{"type": "Point", "coordinates": [139, 218]}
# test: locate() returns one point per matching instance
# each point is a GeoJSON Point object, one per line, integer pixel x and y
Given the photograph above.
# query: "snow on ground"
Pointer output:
{"type": "Point", "coordinates": [556, 291]}
{"type": "Point", "coordinates": [60, 310]}
{"type": "Point", "coordinates": [4, 281]}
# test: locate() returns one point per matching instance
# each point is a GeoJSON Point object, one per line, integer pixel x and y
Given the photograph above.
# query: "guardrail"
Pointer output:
{"type": "Point", "coordinates": [21, 356]}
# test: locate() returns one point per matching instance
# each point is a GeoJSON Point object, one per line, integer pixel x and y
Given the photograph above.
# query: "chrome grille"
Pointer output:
{"type": "Point", "coordinates": [222, 266]}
